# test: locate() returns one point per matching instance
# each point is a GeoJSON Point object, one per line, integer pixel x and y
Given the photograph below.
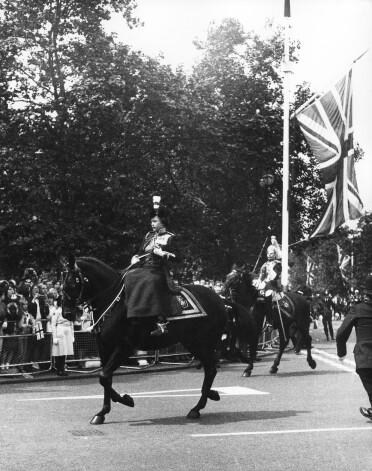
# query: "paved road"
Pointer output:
{"type": "Point", "coordinates": [298, 419]}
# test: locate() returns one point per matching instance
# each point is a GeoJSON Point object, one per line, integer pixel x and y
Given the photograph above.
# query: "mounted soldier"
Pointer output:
{"type": "Point", "coordinates": [269, 278]}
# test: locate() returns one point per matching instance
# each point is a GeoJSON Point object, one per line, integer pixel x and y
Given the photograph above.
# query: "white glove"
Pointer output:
{"type": "Point", "coordinates": [159, 251]}
{"type": "Point", "coordinates": [55, 341]}
{"type": "Point", "coordinates": [135, 259]}
{"type": "Point", "coordinates": [5, 325]}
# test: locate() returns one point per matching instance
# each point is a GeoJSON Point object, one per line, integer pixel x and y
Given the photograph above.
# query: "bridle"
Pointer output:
{"type": "Point", "coordinates": [231, 285]}
{"type": "Point", "coordinates": [87, 303]}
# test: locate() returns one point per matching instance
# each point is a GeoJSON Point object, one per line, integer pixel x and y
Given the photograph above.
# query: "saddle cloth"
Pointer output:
{"type": "Point", "coordinates": [285, 304]}
{"type": "Point", "coordinates": [185, 306]}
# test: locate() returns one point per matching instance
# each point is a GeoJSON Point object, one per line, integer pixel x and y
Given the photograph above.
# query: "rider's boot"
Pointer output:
{"type": "Point", "coordinates": [161, 327]}
{"type": "Point", "coordinates": [269, 312]}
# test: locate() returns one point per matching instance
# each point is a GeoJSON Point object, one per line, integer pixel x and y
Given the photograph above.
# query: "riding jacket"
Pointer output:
{"type": "Point", "coordinates": [149, 286]}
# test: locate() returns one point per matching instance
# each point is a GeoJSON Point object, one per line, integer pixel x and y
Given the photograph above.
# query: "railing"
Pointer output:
{"type": "Point", "coordinates": [31, 354]}
{"type": "Point", "coordinates": [28, 353]}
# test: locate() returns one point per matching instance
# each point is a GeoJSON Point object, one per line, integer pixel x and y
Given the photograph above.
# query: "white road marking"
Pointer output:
{"type": "Point", "coordinates": [336, 363]}
{"type": "Point", "coordinates": [332, 355]}
{"type": "Point", "coordinates": [225, 391]}
{"type": "Point", "coordinates": [280, 432]}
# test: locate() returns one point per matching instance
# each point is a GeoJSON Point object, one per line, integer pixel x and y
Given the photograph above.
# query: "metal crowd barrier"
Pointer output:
{"type": "Point", "coordinates": [30, 354]}
{"type": "Point", "coordinates": [27, 353]}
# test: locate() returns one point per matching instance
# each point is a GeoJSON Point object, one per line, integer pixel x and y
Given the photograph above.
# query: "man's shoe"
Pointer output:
{"type": "Point", "coordinates": [366, 412]}
{"type": "Point", "coordinates": [160, 330]}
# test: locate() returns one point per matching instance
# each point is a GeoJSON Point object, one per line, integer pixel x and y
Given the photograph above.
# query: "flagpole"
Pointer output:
{"type": "Point", "coordinates": [285, 212]}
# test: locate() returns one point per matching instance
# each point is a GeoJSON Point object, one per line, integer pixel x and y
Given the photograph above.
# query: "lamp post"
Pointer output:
{"type": "Point", "coordinates": [265, 182]}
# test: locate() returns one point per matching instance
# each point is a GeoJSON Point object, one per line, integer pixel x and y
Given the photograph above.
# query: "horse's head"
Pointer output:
{"type": "Point", "coordinates": [87, 280]}
{"type": "Point", "coordinates": [75, 288]}
{"type": "Point", "coordinates": [238, 285]}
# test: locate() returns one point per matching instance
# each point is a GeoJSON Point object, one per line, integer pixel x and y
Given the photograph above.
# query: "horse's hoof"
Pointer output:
{"type": "Point", "coordinates": [193, 414]}
{"type": "Point", "coordinates": [98, 420]}
{"type": "Point", "coordinates": [127, 400]}
{"type": "Point", "coordinates": [213, 395]}
{"type": "Point", "coordinates": [312, 364]}
{"type": "Point", "coordinates": [199, 366]}
{"type": "Point", "coordinates": [273, 370]}
{"type": "Point", "coordinates": [247, 373]}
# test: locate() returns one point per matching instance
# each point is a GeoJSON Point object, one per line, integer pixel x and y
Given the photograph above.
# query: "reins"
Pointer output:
{"type": "Point", "coordinates": [116, 298]}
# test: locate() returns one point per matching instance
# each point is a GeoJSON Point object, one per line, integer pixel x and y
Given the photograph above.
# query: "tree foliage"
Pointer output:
{"type": "Point", "coordinates": [91, 129]}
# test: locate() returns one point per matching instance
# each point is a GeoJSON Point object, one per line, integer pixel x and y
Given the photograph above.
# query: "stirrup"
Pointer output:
{"type": "Point", "coordinates": [160, 330]}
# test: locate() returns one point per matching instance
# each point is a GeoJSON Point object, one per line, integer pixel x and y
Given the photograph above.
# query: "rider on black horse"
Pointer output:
{"type": "Point", "coordinates": [148, 285]}
{"type": "Point", "coordinates": [269, 278]}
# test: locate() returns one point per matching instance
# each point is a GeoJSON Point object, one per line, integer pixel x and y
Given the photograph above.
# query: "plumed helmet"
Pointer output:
{"type": "Point", "coordinates": [159, 210]}
{"type": "Point", "coordinates": [274, 248]}
{"type": "Point", "coordinates": [368, 285]}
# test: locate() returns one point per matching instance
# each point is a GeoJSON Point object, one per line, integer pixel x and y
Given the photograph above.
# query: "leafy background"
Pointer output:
{"type": "Point", "coordinates": [90, 130]}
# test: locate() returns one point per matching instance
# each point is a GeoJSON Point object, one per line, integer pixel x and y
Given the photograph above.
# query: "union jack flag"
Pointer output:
{"type": "Point", "coordinates": [328, 129]}
{"type": "Point", "coordinates": [310, 269]}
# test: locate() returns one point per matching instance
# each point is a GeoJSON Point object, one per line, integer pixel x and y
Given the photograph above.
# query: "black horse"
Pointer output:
{"type": "Point", "coordinates": [291, 314]}
{"type": "Point", "coordinates": [88, 280]}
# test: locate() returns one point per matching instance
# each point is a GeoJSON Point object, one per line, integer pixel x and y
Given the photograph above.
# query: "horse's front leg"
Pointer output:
{"type": "Point", "coordinates": [283, 342]}
{"type": "Point", "coordinates": [99, 418]}
{"type": "Point", "coordinates": [250, 359]}
{"type": "Point", "coordinates": [209, 361]}
{"type": "Point", "coordinates": [105, 379]}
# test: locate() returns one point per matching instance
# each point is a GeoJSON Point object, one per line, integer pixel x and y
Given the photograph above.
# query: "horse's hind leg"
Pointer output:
{"type": "Point", "coordinates": [310, 359]}
{"type": "Point", "coordinates": [209, 361]}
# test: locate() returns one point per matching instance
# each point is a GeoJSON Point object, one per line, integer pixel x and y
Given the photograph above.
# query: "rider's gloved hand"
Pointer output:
{"type": "Point", "coordinates": [135, 259]}
{"type": "Point", "coordinates": [159, 251]}
{"type": "Point", "coordinates": [162, 253]}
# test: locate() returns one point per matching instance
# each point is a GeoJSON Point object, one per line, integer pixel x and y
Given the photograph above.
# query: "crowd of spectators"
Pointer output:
{"type": "Point", "coordinates": [27, 307]}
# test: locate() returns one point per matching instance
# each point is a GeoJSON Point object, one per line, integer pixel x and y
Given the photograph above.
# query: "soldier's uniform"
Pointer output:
{"type": "Point", "coordinates": [269, 279]}
{"type": "Point", "coordinates": [360, 317]}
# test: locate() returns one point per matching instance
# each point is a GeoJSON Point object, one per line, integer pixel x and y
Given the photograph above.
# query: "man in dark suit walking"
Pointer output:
{"type": "Point", "coordinates": [360, 317]}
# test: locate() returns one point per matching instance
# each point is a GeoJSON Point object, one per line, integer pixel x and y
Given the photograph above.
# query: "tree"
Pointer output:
{"type": "Point", "coordinates": [91, 130]}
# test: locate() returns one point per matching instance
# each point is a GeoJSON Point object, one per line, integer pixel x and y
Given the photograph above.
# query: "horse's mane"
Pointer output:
{"type": "Point", "coordinates": [101, 269]}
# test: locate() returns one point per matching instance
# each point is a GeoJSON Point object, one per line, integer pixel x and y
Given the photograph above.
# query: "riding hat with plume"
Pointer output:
{"type": "Point", "coordinates": [159, 210]}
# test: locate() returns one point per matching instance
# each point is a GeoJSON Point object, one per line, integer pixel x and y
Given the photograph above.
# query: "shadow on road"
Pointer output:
{"type": "Point", "coordinates": [216, 418]}
{"type": "Point", "coordinates": [306, 373]}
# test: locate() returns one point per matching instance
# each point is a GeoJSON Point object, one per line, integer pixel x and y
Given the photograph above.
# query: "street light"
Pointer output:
{"type": "Point", "coordinates": [267, 180]}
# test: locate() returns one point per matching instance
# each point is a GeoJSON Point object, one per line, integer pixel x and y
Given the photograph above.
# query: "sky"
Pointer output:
{"type": "Point", "coordinates": [333, 34]}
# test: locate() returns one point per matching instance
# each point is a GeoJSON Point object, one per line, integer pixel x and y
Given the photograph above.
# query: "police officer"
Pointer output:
{"type": "Point", "coordinates": [269, 278]}
{"type": "Point", "coordinates": [360, 317]}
